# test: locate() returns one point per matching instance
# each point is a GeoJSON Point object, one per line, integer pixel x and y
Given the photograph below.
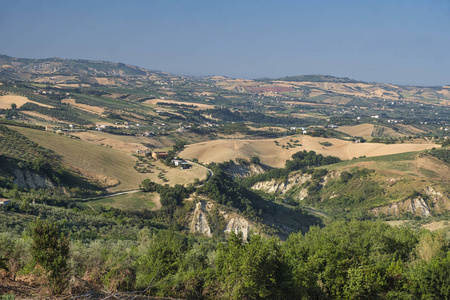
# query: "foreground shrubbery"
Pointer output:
{"type": "Point", "coordinates": [346, 260]}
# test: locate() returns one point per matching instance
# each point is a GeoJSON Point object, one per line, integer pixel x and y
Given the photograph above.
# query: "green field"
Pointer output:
{"type": "Point", "coordinates": [133, 202]}
{"type": "Point", "coordinates": [402, 162]}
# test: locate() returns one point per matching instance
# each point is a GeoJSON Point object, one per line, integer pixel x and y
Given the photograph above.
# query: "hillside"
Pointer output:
{"type": "Point", "coordinates": [329, 89]}
{"type": "Point", "coordinates": [24, 68]}
{"type": "Point", "coordinates": [110, 168]}
{"type": "Point", "coordinates": [275, 152]}
{"type": "Point", "coordinates": [398, 186]}
{"type": "Point", "coordinates": [61, 92]}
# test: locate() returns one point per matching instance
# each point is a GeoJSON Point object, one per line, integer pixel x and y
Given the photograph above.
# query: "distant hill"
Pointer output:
{"type": "Point", "coordinates": [24, 68]}
{"type": "Point", "coordinates": [319, 78]}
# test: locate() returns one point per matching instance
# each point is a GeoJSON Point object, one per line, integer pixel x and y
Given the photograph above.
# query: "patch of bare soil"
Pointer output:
{"type": "Point", "coordinates": [435, 166]}
{"type": "Point", "coordinates": [198, 105]}
{"type": "Point", "coordinates": [18, 289]}
{"type": "Point", "coordinates": [100, 179]}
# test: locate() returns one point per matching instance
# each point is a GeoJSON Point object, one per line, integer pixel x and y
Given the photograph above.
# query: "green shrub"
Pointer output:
{"type": "Point", "coordinates": [51, 250]}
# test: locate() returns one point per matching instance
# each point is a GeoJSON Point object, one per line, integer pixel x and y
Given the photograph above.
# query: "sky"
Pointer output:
{"type": "Point", "coordinates": [390, 41]}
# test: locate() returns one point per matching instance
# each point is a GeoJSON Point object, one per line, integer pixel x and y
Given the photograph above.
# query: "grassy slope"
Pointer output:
{"type": "Point", "coordinates": [395, 162]}
{"type": "Point", "coordinates": [133, 202]}
{"type": "Point", "coordinates": [103, 160]}
{"type": "Point", "coordinates": [399, 175]}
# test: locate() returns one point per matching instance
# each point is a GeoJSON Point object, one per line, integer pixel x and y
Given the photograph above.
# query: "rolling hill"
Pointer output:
{"type": "Point", "coordinates": [275, 152]}
{"type": "Point", "coordinates": [111, 168]}
{"type": "Point", "coordinates": [75, 143]}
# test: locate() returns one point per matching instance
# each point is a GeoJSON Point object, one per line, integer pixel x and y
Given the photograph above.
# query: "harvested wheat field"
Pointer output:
{"type": "Point", "coordinates": [109, 140]}
{"type": "Point", "coordinates": [363, 130]}
{"type": "Point", "coordinates": [85, 107]}
{"type": "Point", "coordinates": [7, 100]}
{"type": "Point", "coordinates": [276, 156]}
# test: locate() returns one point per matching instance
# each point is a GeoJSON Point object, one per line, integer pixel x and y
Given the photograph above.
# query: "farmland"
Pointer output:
{"type": "Point", "coordinates": [273, 154]}
{"type": "Point", "coordinates": [98, 161]}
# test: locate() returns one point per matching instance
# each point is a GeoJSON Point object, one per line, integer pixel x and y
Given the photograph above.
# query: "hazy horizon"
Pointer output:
{"type": "Point", "coordinates": [401, 43]}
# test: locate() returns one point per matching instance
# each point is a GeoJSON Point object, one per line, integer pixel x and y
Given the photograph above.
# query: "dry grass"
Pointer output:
{"type": "Point", "coordinates": [110, 140]}
{"type": "Point", "coordinates": [115, 141]}
{"type": "Point", "coordinates": [397, 223]}
{"type": "Point", "coordinates": [199, 105]}
{"type": "Point", "coordinates": [383, 131]}
{"type": "Point", "coordinates": [410, 129]}
{"type": "Point", "coordinates": [275, 156]}
{"type": "Point", "coordinates": [104, 81]}
{"type": "Point", "coordinates": [362, 130]}
{"type": "Point", "coordinates": [433, 167]}
{"type": "Point", "coordinates": [434, 226]}
{"type": "Point", "coordinates": [108, 162]}
{"type": "Point", "coordinates": [7, 100]}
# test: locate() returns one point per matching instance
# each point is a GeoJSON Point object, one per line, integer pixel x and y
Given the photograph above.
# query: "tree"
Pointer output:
{"type": "Point", "coordinates": [253, 270]}
{"type": "Point", "coordinates": [147, 186]}
{"type": "Point", "coordinates": [255, 160]}
{"type": "Point", "coordinates": [433, 278]}
{"type": "Point", "coordinates": [51, 250]}
{"type": "Point", "coordinates": [349, 260]}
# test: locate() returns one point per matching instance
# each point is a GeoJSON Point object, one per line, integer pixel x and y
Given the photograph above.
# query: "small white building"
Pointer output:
{"type": "Point", "coordinates": [178, 162]}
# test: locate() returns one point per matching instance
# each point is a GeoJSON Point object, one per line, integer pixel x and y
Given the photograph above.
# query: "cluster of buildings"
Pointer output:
{"type": "Point", "coordinates": [177, 162]}
{"type": "Point", "coordinates": [301, 129]}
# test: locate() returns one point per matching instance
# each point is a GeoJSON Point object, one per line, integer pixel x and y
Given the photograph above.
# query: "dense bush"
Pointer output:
{"type": "Point", "coordinates": [50, 249]}
{"type": "Point", "coordinates": [304, 159]}
{"type": "Point", "coordinates": [345, 260]}
{"type": "Point", "coordinates": [442, 154]}
{"type": "Point", "coordinates": [223, 189]}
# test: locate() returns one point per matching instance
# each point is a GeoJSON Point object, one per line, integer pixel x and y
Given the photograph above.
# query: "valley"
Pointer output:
{"type": "Point", "coordinates": [157, 177]}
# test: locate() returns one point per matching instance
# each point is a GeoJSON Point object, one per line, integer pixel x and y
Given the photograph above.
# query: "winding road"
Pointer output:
{"type": "Point", "coordinates": [211, 174]}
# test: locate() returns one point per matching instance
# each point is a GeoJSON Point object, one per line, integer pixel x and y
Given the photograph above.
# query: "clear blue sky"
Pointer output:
{"type": "Point", "coordinates": [394, 41]}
